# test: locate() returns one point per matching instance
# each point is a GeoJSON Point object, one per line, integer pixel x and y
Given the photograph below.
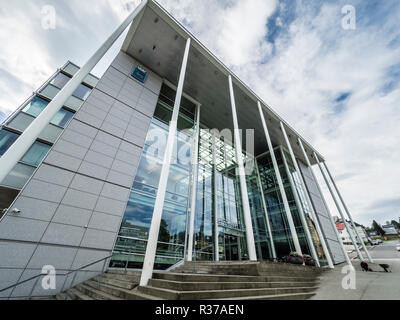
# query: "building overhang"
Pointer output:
{"type": "Point", "coordinates": [157, 40]}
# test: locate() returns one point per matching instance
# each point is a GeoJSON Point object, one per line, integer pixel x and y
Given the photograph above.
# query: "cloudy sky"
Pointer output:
{"type": "Point", "coordinates": [339, 88]}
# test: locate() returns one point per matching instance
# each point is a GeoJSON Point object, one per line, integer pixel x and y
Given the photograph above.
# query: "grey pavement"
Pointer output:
{"type": "Point", "coordinates": [377, 285]}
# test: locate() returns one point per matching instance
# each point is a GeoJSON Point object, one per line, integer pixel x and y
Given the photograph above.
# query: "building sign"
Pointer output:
{"type": "Point", "coordinates": [139, 74]}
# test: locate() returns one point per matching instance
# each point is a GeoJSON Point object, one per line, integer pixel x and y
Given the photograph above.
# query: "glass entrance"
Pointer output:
{"type": "Point", "coordinates": [232, 245]}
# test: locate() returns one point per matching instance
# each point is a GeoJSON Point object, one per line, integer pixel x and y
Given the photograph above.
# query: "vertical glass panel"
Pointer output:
{"type": "Point", "coordinates": [36, 153]}
{"type": "Point", "coordinates": [7, 138]}
{"type": "Point", "coordinates": [62, 118]}
{"type": "Point", "coordinates": [137, 218]}
{"type": "Point", "coordinates": [35, 106]}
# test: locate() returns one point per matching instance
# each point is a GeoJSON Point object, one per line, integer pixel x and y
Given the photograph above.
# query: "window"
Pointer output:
{"type": "Point", "coordinates": [60, 80]}
{"type": "Point", "coordinates": [35, 106]}
{"type": "Point", "coordinates": [36, 154]}
{"type": "Point", "coordinates": [7, 138]}
{"type": "Point", "coordinates": [62, 118]}
{"type": "Point", "coordinates": [82, 92]}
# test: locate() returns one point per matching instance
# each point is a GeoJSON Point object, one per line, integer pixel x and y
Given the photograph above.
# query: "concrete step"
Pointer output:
{"type": "Point", "coordinates": [197, 286]}
{"type": "Point", "coordinates": [219, 294]}
{"type": "Point", "coordinates": [120, 293]}
{"type": "Point", "coordinates": [123, 272]}
{"type": "Point", "coordinates": [96, 294]}
{"type": "Point", "coordinates": [256, 268]}
{"type": "Point", "coordinates": [126, 284]}
{"type": "Point", "coordinates": [73, 294]}
{"type": "Point", "coordinates": [289, 296]}
{"type": "Point", "coordinates": [184, 277]}
{"type": "Point", "coordinates": [133, 277]}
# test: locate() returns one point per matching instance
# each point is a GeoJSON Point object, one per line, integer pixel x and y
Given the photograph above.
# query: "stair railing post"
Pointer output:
{"type": "Point", "coordinates": [71, 285]}
{"type": "Point", "coordinates": [101, 275]}
{"type": "Point", "coordinates": [33, 288]}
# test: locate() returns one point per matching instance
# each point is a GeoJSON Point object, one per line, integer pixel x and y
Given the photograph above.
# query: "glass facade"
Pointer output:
{"type": "Point", "coordinates": [133, 233]}
{"type": "Point", "coordinates": [218, 212]}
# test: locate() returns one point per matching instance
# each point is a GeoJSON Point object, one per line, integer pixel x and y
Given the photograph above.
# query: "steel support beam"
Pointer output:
{"type": "Point", "coordinates": [195, 166]}
{"type": "Point", "coordinates": [348, 212]}
{"type": "Point", "coordinates": [151, 248]}
{"type": "Point", "coordinates": [242, 178]}
{"type": "Point", "coordinates": [338, 208]}
{"type": "Point", "coordinates": [216, 244]}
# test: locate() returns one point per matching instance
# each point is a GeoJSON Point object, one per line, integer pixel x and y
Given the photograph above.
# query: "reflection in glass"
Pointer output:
{"type": "Point", "coordinates": [35, 106]}
{"type": "Point", "coordinates": [36, 154]}
{"type": "Point", "coordinates": [62, 118]}
{"type": "Point", "coordinates": [137, 219]}
{"type": "Point", "coordinates": [7, 138]}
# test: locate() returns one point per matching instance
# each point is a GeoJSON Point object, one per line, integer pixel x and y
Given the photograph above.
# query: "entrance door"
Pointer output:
{"type": "Point", "coordinates": [231, 248]}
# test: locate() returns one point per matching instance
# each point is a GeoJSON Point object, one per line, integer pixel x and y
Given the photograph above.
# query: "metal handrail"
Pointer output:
{"type": "Point", "coordinates": [65, 274]}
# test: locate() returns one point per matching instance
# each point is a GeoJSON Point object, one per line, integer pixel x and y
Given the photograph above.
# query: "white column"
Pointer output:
{"type": "Point", "coordinates": [265, 211]}
{"type": "Point", "coordinates": [348, 213]}
{"type": "Point", "coordinates": [216, 244]}
{"type": "Point", "coordinates": [279, 178]}
{"type": "Point", "coordinates": [151, 248]}
{"type": "Point", "coordinates": [314, 214]}
{"type": "Point", "coordinates": [242, 177]}
{"type": "Point", "coordinates": [195, 167]}
{"type": "Point", "coordinates": [339, 209]}
{"type": "Point", "coordinates": [18, 149]}
{"type": "Point", "coordinates": [301, 211]}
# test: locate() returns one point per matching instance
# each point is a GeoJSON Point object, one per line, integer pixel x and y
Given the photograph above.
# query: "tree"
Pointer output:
{"type": "Point", "coordinates": [377, 227]}
{"type": "Point", "coordinates": [396, 224]}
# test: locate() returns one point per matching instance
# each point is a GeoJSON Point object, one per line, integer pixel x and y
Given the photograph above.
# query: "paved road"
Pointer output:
{"type": "Point", "coordinates": [368, 285]}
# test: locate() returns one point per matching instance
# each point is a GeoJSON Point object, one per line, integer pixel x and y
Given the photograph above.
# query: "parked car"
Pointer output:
{"type": "Point", "coordinates": [398, 247]}
{"type": "Point", "coordinates": [374, 242]}
{"type": "Point", "coordinates": [379, 241]}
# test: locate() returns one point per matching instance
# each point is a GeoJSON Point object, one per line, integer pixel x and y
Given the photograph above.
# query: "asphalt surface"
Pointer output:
{"type": "Point", "coordinates": [377, 285]}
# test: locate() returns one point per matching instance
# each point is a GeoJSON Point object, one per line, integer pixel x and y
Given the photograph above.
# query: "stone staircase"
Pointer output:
{"type": "Point", "coordinates": [206, 280]}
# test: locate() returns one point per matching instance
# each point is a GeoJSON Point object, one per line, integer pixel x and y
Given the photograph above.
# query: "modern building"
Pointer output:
{"type": "Point", "coordinates": [129, 174]}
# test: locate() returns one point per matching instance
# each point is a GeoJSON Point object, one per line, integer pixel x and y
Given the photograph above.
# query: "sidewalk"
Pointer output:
{"type": "Point", "coordinates": [369, 285]}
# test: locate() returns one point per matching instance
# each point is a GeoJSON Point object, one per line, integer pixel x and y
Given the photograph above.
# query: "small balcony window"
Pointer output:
{"type": "Point", "coordinates": [36, 154]}
{"type": "Point", "coordinates": [35, 106]}
{"type": "Point", "coordinates": [60, 80]}
{"type": "Point", "coordinates": [62, 118]}
{"type": "Point", "coordinates": [7, 138]}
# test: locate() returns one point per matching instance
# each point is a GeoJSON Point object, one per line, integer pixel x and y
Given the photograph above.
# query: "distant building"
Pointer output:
{"type": "Point", "coordinates": [372, 233]}
{"type": "Point", "coordinates": [346, 238]}
{"type": "Point", "coordinates": [390, 229]}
